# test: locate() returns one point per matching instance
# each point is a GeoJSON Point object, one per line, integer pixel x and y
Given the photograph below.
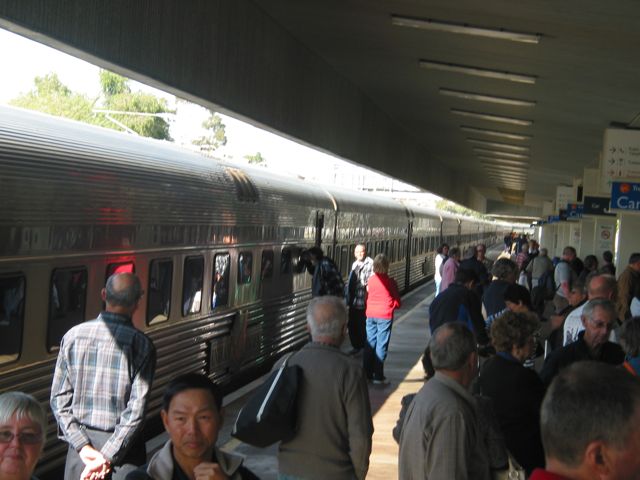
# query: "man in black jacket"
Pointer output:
{"type": "Point", "coordinates": [458, 303]}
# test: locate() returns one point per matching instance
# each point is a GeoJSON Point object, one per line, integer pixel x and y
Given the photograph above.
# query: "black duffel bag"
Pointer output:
{"type": "Point", "coordinates": [270, 414]}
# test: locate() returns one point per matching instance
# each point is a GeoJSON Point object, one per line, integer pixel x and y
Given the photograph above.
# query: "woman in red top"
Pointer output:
{"type": "Point", "coordinates": [382, 299]}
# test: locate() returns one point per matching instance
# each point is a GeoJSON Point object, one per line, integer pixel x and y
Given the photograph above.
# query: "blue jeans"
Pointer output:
{"type": "Point", "coordinates": [375, 351]}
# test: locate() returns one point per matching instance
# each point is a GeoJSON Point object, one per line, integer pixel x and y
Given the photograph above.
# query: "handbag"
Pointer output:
{"type": "Point", "coordinates": [270, 413]}
{"type": "Point", "coordinates": [513, 471]}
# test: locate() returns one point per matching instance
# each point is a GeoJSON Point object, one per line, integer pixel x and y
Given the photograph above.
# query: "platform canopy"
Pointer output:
{"type": "Point", "coordinates": [491, 104]}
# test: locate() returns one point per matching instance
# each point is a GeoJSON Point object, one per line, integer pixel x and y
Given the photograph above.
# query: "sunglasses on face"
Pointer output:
{"type": "Point", "coordinates": [26, 438]}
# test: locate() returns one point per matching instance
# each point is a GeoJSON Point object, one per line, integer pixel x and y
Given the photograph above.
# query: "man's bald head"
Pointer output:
{"type": "Point", "coordinates": [123, 290]}
{"type": "Point", "coordinates": [602, 286]}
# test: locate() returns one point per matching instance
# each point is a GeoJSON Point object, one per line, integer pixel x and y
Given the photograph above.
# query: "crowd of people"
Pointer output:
{"type": "Point", "coordinates": [531, 362]}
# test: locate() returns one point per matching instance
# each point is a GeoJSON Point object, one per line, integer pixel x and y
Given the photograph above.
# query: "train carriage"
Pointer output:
{"type": "Point", "coordinates": [217, 248]}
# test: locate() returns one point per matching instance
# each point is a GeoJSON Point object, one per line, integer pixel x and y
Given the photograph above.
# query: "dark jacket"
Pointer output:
{"type": "Point", "coordinates": [576, 351]}
{"type": "Point", "coordinates": [458, 304]}
{"type": "Point", "coordinates": [493, 298]}
{"type": "Point", "coordinates": [480, 270]}
{"type": "Point", "coordinates": [517, 394]}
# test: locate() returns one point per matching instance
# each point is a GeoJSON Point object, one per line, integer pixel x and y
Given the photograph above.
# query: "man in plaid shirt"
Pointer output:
{"type": "Point", "coordinates": [102, 379]}
{"type": "Point", "coordinates": [356, 295]}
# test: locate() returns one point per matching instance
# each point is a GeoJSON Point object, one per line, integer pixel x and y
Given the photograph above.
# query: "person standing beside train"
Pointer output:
{"type": "Point", "coordinates": [449, 269]}
{"type": "Point", "coordinates": [326, 276]}
{"type": "Point", "coordinates": [441, 256]}
{"type": "Point", "coordinates": [356, 296]}
{"type": "Point", "coordinates": [100, 387]}
{"type": "Point", "coordinates": [382, 299]}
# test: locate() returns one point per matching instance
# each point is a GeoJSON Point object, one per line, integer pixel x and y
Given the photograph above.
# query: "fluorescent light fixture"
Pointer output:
{"type": "Point", "coordinates": [464, 29]}
{"type": "Point", "coordinates": [484, 151]}
{"type": "Point", "coordinates": [495, 133]}
{"type": "Point", "coordinates": [505, 169]}
{"type": "Point", "coordinates": [493, 118]}
{"type": "Point", "coordinates": [487, 98]}
{"type": "Point", "coordinates": [506, 146]}
{"type": "Point", "coordinates": [508, 174]}
{"type": "Point", "coordinates": [502, 161]}
{"type": "Point", "coordinates": [478, 72]}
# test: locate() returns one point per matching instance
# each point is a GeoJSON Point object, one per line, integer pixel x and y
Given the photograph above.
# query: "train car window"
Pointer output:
{"type": "Point", "coordinates": [12, 293]}
{"type": "Point", "coordinates": [220, 284]}
{"type": "Point", "coordinates": [369, 251]}
{"type": "Point", "coordinates": [245, 267]}
{"type": "Point", "coordinates": [386, 248]}
{"type": "Point", "coordinates": [344, 261]}
{"type": "Point", "coordinates": [266, 269]}
{"type": "Point", "coordinates": [192, 285]}
{"type": "Point", "coordinates": [122, 267]}
{"type": "Point", "coordinates": [394, 251]}
{"type": "Point", "coordinates": [67, 301]}
{"type": "Point", "coordinates": [159, 291]}
{"type": "Point", "coordinates": [285, 261]}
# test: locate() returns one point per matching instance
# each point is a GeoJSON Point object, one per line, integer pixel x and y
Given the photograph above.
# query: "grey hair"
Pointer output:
{"type": "Point", "coordinates": [123, 297]}
{"type": "Point", "coordinates": [503, 268]}
{"type": "Point", "coordinates": [22, 405]}
{"type": "Point", "coordinates": [588, 401]}
{"type": "Point", "coordinates": [326, 317]}
{"type": "Point", "coordinates": [450, 346]}
{"type": "Point", "coordinates": [629, 336]}
{"type": "Point", "coordinates": [606, 305]}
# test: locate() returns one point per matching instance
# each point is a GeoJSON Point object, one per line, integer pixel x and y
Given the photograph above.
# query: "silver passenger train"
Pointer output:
{"type": "Point", "coordinates": [216, 247]}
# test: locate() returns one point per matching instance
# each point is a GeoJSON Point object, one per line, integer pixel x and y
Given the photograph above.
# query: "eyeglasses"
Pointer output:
{"type": "Point", "coordinates": [26, 438]}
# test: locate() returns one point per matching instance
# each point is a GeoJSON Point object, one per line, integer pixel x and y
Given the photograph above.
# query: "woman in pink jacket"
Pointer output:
{"type": "Point", "coordinates": [382, 299]}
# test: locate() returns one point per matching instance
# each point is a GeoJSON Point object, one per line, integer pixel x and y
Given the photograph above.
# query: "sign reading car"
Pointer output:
{"type": "Point", "coordinates": [625, 196]}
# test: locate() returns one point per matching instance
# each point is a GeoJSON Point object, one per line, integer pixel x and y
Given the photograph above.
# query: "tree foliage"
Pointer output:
{"type": "Point", "coordinates": [216, 134]}
{"type": "Point", "coordinates": [451, 207]}
{"type": "Point", "coordinates": [51, 96]}
{"type": "Point", "coordinates": [256, 159]}
{"type": "Point", "coordinates": [119, 97]}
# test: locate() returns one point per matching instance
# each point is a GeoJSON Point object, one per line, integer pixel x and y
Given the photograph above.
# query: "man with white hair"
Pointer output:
{"type": "Point", "coordinates": [333, 438]}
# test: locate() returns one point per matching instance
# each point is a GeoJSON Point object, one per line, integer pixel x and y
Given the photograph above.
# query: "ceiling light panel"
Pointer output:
{"type": "Point", "coordinates": [484, 151]}
{"type": "Point", "coordinates": [486, 98]}
{"type": "Point", "coordinates": [493, 118]}
{"type": "Point", "coordinates": [506, 146]}
{"type": "Point", "coordinates": [503, 161]}
{"type": "Point", "coordinates": [464, 29]}
{"type": "Point", "coordinates": [478, 72]}
{"type": "Point", "coordinates": [505, 169]}
{"type": "Point", "coordinates": [495, 133]}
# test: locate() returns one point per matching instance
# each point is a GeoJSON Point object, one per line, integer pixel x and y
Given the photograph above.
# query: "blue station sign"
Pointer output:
{"type": "Point", "coordinates": [625, 196]}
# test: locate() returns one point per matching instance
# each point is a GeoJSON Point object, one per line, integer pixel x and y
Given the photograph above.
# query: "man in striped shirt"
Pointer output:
{"type": "Point", "coordinates": [103, 376]}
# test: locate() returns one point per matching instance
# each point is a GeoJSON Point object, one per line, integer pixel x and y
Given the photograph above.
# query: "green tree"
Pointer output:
{"type": "Point", "coordinates": [256, 159]}
{"type": "Point", "coordinates": [118, 97]}
{"type": "Point", "coordinates": [452, 207]}
{"type": "Point", "coordinates": [50, 95]}
{"type": "Point", "coordinates": [216, 134]}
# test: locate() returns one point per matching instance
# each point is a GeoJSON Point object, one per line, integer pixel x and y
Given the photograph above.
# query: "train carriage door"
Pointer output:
{"type": "Point", "coordinates": [407, 253]}
{"type": "Point", "coordinates": [319, 227]}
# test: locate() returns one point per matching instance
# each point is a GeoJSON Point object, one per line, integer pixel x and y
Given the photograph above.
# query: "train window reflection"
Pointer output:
{"type": "Point", "coordinates": [67, 301]}
{"type": "Point", "coordinates": [220, 284]}
{"type": "Point", "coordinates": [285, 261]}
{"type": "Point", "coordinates": [122, 267]}
{"type": "Point", "coordinates": [192, 285]}
{"type": "Point", "coordinates": [266, 270]}
{"type": "Point", "coordinates": [245, 267]}
{"type": "Point", "coordinates": [12, 293]}
{"type": "Point", "coordinates": [344, 261]}
{"type": "Point", "coordinates": [159, 291]}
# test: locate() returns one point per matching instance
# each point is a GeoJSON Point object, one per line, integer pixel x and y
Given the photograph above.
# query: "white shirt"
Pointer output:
{"type": "Point", "coordinates": [572, 326]}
